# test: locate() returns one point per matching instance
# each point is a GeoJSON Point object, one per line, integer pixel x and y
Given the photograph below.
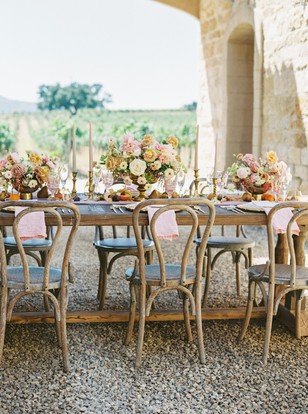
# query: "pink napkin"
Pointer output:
{"type": "Point", "coordinates": [166, 225]}
{"type": "Point", "coordinates": [32, 226]}
{"type": "Point", "coordinates": [281, 219]}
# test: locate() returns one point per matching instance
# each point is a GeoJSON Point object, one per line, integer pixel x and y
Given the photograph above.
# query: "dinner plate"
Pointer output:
{"type": "Point", "coordinates": [256, 205]}
{"type": "Point", "coordinates": [131, 207]}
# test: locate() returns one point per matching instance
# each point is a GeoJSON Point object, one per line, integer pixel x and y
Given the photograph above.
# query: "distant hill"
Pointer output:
{"type": "Point", "coordinates": [9, 105]}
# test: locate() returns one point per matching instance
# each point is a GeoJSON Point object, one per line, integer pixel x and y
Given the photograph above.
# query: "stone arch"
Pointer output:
{"type": "Point", "coordinates": [242, 85]}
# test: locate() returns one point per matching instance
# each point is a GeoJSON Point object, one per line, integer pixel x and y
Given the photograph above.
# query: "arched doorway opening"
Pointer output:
{"type": "Point", "coordinates": [240, 91]}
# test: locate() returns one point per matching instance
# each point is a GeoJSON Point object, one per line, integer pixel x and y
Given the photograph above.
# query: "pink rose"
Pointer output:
{"type": "Point", "coordinates": [242, 173]}
{"type": "Point", "coordinates": [18, 170]}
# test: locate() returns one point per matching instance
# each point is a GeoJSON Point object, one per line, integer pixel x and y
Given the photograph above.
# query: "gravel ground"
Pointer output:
{"type": "Point", "coordinates": [103, 378]}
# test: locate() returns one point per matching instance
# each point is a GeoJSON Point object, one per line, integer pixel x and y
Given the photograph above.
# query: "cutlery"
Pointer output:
{"type": "Point", "coordinates": [120, 208]}
{"type": "Point", "coordinates": [234, 209]}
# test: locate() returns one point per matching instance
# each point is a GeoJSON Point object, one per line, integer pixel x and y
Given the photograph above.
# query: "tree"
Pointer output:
{"type": "Point", "coordinates": [191, 107]}
{"type": "Point", "coordinates": [72, 97]}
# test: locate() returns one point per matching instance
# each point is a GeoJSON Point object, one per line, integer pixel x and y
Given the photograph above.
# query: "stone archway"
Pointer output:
{"type": "Point", "coordinates": [239, 85]}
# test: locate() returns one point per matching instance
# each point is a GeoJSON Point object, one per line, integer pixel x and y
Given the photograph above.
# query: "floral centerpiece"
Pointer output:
{"type": "Point", "coordinates": [259, 175]}
{"type": "Point", "coordinates": [142, 162]}
{"type": "Point", "coordinates": [25, 174]}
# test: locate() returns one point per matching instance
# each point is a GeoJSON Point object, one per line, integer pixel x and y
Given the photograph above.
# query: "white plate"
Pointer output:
{"type": "Point", "coordinates": [257, 205]}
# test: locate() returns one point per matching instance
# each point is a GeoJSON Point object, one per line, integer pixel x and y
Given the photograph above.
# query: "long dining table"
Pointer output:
{"type": "Point", "coordinates": [100, 214]}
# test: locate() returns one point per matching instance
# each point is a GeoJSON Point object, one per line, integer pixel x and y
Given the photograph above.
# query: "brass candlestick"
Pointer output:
{"type": "Point", "coordinates": [196, 181]}
{"type": "Point", "coordinates": [74, 192]}
{"type": "Point", "coordinates": [215, 186]}
{"type": "Point", "coordinates": [91, 189]}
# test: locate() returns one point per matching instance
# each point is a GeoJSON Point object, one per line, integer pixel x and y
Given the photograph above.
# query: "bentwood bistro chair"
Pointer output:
{"type": "Point", "coordinates": [118, 247]}
{"type": "Point", "coordinates": [165, 275]}
{"type": "Point", "coordinates": [277, 280]}
{"type": "Point", "coordinates": [238, 245]}
{"type": "Point", "coordinates": [48, 281]}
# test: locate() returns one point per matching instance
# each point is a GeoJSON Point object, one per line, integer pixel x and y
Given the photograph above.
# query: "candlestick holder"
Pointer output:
{"type": "Point", "coordinates": [74, 192]}
{"type": "Point", "coordinates": [215, 180]}
{"type": "Point", "coordinates": [91, 187]}
{"type": "Point", "coordinates": [196, 181]}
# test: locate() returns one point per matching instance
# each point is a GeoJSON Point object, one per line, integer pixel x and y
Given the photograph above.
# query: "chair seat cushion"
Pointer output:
{"type": "Point", "coordinates": [224, 242]}
{"type": "Point", "coordinates": [282, 274]}
{"type": "Point", "coordinates": [15, 277]}
{"type": "Point", "coordinates": [11, 242]}
{"type": "Point", "coordinates": [173, 274]}
{"type": "Point", "coordinates": [121, 243]}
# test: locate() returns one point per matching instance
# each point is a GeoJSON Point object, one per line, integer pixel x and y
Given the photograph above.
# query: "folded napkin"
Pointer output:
{"type": "Point", "coordinates": [281, 219]}
{"type": "Point", "coordinates": [166, 225]}
{"type": "Point", "coordinates": [32, 226]}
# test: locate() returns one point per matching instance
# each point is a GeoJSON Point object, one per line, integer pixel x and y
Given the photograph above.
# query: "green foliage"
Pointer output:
{"type": "Point", "coordinates": [191, 107]}
{"type": "Point", "coordinates": [72, 97]}
{"type": "Point", "coordinates": [7, 138]}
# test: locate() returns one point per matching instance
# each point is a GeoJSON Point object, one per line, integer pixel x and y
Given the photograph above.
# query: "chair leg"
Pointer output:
{"type": "Point", "coordinates": [269, 322]}
{"type": "Point", "coordinates": [249, 306]}
{"type": "Point", "coordinates": [142, 293]}
{"type": "Point", "coordinates": [238, 273]}
{"type": "Point", "coordinates": [187, 318]}
{"type": "Point", "coordinates": [63, 305]}
{"type": "Point", "coordinates": [207, 278]}
{"type": "Point", "coordinates": [4, 299]}
{"type": "Point", "coordinates": [298, 306]}
{"type": "Point", "coordinates": [132, 313]}
{"type": "Point", "coordinates": [102, 285]}
{"type": "Point", "coordinates": [199, 325]}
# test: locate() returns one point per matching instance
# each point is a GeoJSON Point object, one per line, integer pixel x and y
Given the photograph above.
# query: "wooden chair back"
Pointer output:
{"type": "Point", "coordinates": [299, 209]}
{"type": "Point", "coordinates": [183, 206]}
{"type": "Point", "coordinates": [49, 209]}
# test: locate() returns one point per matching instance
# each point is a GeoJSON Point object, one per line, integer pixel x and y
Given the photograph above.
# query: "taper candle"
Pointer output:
{"type": "Point", "coordinates": [90, 148]}
{"type": "Point", "coordinates": [74, 148]}
{"type": "Point", "coordinates": [197, 148]}
{"type": "Point", "coordinates": [216, 156]}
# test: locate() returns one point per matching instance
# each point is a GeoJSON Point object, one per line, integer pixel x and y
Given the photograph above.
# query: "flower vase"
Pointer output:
{"type": "Point", "coordinates": [25, 192]}
{"type": "Point", "coordinates": [140, 188]}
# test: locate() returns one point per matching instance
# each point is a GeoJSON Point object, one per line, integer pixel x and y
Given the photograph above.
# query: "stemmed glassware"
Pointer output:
{"type": "Point", "coordinates": [96, 178]}
{"type": "Point", "coordinates": [107, 178]}
{"type": "Point", "coordinates": [170, 184]}
{"type": "Point", "coordinates": [181, 181]}
{"type": "Point", "coordinates": [63, 176]}
{"type": "Point", "coordinates": [53, 184]}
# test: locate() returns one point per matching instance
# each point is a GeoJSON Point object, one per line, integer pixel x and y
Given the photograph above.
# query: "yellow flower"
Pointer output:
{"type": "Point", "coordinates": [173, 141]}
{"type": "Point", "coordinates": [149, 155]}
{"type": "Point", "coordinates": [147, 141]}
{"type": "Point", "coordinates": [112, 163]}
{"type": "Point", "coordinates": [35, 158]}
{"type": "Point", "coordinates": [271, 157]}
{"type": "Point", "coordinates": [42, 174]}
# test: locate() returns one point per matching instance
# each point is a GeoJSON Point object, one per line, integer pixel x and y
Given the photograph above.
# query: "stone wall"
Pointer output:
{"type": "Point", "coordinates": [280, 80]}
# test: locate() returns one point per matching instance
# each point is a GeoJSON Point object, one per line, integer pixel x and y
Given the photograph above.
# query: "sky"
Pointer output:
{"type": "Point", "coordinates": [144, 53]}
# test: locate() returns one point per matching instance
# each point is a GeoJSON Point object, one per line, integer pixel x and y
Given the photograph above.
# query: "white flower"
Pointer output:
{"type": "Point", "coordinates": [155, 166]}
{"type": "Point", "coordinates": [8, 175]}
{"type": "Point", "coordinates": [111, 142]}
{"type": "Point", "coordinates": [141, 180]}
{"type": "Point", "coordinates": [127, 180]}
{"type": "Point", "coordinates": [137, 167]}
{"type": "Point", "coordinates": [33, 183]}
{"type": "Point", "coordinates": [169, 173]}
{"type": "Point", "coordinates": [123, 165]}
{"type": "Point", "coordinates": [148, 187]}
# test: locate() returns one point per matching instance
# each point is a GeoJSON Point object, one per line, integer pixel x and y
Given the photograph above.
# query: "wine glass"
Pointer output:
{"type": "Point", "coordinates": [63, 175]}
{"type": "Point", "coordinates": [181, 181]}
{"type": "Point", "coordinates": [96, 178]}
{"type": "Point", "coordinates": [53, 184]}
{"type": "Point", "coordinates": [170, 185]}
{"type": "Point", "coordinates": [107, 178]}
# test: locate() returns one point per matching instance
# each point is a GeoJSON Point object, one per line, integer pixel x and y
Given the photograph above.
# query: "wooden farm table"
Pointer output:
{"type": "Point", "coordinates": [101, 214]}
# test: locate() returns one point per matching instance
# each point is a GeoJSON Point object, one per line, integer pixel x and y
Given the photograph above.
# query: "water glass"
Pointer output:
{"type": "Point", "coordinates": [53, 184]}
{"type": "Point", "coordinates": [170, 185]}
{"type": "Point", "coordinates": [107, 178]}
{"type": "Point", "coordinates": [181, 181]}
